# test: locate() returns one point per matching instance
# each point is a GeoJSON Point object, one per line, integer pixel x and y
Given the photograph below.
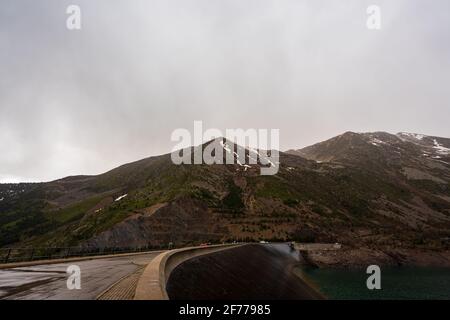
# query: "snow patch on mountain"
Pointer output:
{"type": "Point", "coordinates": [440, 148]}
{"type": "Point", "coordinates": [225, 147]}
{"type": "Point", "coordinates": [412, 135]}
{"type": "Point", "coordinates": [377, 142]}
{"type": "Point", "coordinates": [121, 197]}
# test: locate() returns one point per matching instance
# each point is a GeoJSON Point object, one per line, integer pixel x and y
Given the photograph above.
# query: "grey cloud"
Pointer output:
{"type": "Point", "coordinates": [83, 102]}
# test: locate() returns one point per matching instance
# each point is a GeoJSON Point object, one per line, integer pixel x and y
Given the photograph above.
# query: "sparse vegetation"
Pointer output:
{"type": "Point", "coordinates": [362, 194]}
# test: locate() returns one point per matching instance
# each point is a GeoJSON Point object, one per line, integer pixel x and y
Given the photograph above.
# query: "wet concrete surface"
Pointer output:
{"type": "Point", "coordinates": [50, 281]}
{"type": "Point", "coordinates": [257, 271]}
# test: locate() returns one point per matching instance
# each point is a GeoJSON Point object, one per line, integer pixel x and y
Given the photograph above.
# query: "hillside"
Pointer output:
{"type": "Point", "coordinates": [381, 192]}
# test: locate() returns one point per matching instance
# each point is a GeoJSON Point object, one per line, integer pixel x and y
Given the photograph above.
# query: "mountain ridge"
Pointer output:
{"type": "Point", "coordinates": [371, 190]}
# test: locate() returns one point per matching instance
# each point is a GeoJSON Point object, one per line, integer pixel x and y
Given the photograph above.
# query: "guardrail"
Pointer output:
{"type": "Point", "coordinates": [152, 283]}
{"type": "Point", "coordinates": [14, 255]}
{"type": "Point", "coordinates": [317, 246]}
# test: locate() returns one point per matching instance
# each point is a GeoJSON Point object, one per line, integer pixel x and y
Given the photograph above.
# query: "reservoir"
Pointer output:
{"type": "Point", "coordinates": [396, 283]}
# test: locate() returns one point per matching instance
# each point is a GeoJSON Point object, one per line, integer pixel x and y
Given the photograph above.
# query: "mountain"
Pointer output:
{"type": "Point", "coordinates": [378, 147]}
{"type": "Point", "coordinates": [384, 197]}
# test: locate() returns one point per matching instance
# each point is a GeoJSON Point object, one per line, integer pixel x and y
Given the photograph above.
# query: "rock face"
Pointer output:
{"type": "Point", "coordinates": [362, 257]}
{"type": "Point", "coordinates": [181, 221]}
{"type": "Point", "coordinates": [377, 191]}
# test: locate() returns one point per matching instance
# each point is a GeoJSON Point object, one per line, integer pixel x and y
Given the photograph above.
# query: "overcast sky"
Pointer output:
{"type": "Point", "coordinates": [83, 102]}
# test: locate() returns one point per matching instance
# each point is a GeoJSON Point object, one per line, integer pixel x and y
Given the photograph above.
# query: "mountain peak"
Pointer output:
{"type": "Point", "coordinates": [351, 147]}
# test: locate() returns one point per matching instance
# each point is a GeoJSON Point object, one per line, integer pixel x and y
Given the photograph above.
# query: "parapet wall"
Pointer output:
{"type": "Point", "coordinates": [152, 284]}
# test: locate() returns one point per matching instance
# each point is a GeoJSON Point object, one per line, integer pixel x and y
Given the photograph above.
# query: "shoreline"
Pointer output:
{"type": "Point", "coordinates": [358, 258]}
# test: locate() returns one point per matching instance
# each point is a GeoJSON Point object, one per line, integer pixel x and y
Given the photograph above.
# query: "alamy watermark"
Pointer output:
{"type": "Point", "coordinates": [73, 21]}
{"type": "Point", "coordinates": [245, 148]}
{"type": "Point", "coordinates": [74, 279]}
{"type": "Point", "coordinates": [374, 17]}
{"type": "Point", "coordinates": [374, 280]}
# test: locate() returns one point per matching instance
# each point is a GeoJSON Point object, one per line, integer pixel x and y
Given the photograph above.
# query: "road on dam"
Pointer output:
{"type": "Point", "coordinates": [255, 271]}
{"type": "Point", "coordinates": [50, 281]}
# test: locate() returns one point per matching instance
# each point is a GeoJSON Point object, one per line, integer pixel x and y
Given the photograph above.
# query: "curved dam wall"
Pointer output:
{"type": "Point", "coordinates": [251, 271]}
{"type": "Point", "coordinates": [152, 283]}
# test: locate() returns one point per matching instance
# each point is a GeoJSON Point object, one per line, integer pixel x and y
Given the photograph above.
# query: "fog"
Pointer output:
{"type": "Point", "coordinates": [85, 101]}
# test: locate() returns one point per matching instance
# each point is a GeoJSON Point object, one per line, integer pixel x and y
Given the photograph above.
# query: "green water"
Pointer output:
{"type": "Point", "coordinates": [396, 283]}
